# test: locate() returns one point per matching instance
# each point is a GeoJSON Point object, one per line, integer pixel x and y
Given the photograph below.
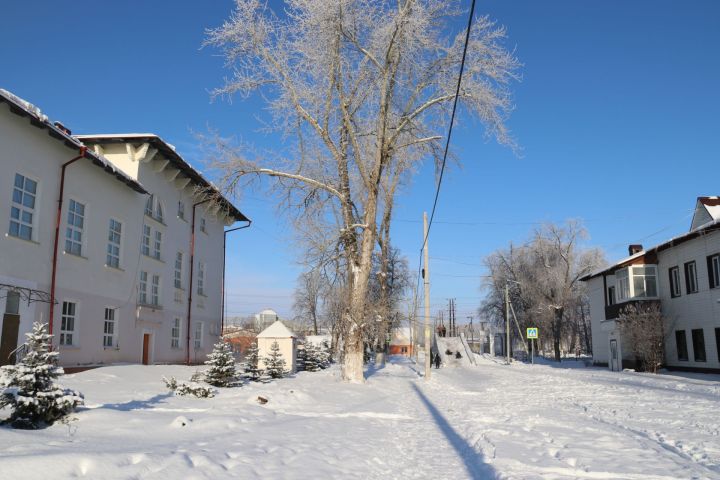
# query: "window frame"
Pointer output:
{"type": "Point", "coordinates": [691, 280]}
{"type": "Point", "coordinates": [113, 245]}
{"type": "Point", "coordinates": [611, 297]}
{"type": "Point", "coordinates": [674, 276]}
{"type": "Point", "coordinates": [23, 209]}
{"type": "Point", "coordinates": [203, 225]}
{"type": "Point", "coordinates": [713, 265]}
{"type": "Point", "coordinates": [622, 281]}
{"type": "Point", "coordinates": [198, 341]}
{"type": "Point", "coordinates": [155, 290]}
{"type": "Point", "coordinates": [157, 245]}
{"type": "Point", "coordinates": [142, 288]}
{"type": "Point", "coordinates": [64, 332]}
{"type": "Point", "coordinates": [146, 239]}
{"type": "Point", "coordinates": [698, 342]}
{"type": "Point", "coordinates": [176, 327]}
{"type": "Point", "coordinates": [181, 210]}
{"type": "Point", "coordinates": [683, 355]}
{"type": "Point", "coordinates": [74, 234]}
{"type": "Point", "coordinates": [201, 279]}
{"type": "Point", "coordinates": [178, 269]}
{"type": "Point", "coordinates": [109, 338]}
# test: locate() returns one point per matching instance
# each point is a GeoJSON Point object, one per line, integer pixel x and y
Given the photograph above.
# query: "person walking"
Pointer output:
{"type": "Point", "coordinates": [437, 360]}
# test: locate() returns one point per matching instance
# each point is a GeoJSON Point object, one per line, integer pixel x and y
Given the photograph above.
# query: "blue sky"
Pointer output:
{"type": "Point", "coordinates": [617, 115]}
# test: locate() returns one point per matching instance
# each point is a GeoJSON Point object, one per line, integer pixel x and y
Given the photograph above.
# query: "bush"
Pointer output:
{"type": "Point", "coordinates": [182, 388]}
{"type": "Point", "coordinates": [29, 389]}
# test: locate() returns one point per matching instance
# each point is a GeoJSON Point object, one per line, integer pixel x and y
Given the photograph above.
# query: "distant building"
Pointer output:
{"type": "Point", "coordinates": [286, 339]}
{"type": "Point", "coordinates": [401, 342]}
{"type": "Point", "coordinates": [682, 275]}
{"type": "Point", "coordinates": [266, 318]}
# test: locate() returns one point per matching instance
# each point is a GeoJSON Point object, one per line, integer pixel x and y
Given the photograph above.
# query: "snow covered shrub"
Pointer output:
{"type": "Point", "coordinates": [250, 366]}
{"type": "Point", "coordinates": [643, 328]}
{"type": "Point", "coordinates": [325, 354]}
{"type": "Point", "coordinates": [312, 358]}
{"type": "Point", "coordinates": [29, 388]}
{"type": "Point", "coordinates": [274, 363]}
{"type": "Point", "coordinates": [191, 388]}
{"type": "Point", "coordinates": [222, 366]}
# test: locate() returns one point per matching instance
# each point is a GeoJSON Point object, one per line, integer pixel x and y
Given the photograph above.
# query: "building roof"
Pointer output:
{"type": "Point", "coordinates": [171, 154]}
{"type": "Point", "coordinates": [276, 330]}
{"type": "Point", "coordinates": [26, 109]}
{"type": "Point", "coordinates": [707, 209]}
{"type": "Point", "coordinates": [653, 251]}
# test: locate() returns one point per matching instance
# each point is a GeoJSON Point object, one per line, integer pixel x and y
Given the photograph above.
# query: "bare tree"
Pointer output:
{"type": "Point", "coordinates": [308, 297]}
{"type": "Point", "coordinates": [543, 281]}
{"type": "Point", "coordinates": [642, 329]}
{"type": "Point", "coordinates": [359, 89]}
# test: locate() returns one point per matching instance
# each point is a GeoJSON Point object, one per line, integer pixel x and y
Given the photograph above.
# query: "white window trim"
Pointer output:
{"type": "Point", "coordinates": [83, 231]}
{"type": "Point", "coordinates": [119, 245]}
{"type": "Point", "coordinates": [178, 273]}
{"type": "Point", "coordinates": [692, 279]}
{"type": "Point", "coordinates": [149, 237]}
{"type": "Point", "coordinates": [114, 336]}
{"type": "Point", "coordinates": [198, 342]}
{"type": "Point", "coordinates": [157, 244]}
{"type": "Point", "coordinates": [156, 297]}
{"type": "Point", "coordinates": [178, 321]}
{"type": "Point", "coordinates": [36, 211]}
{"type": "Point", "coordinates": [142, 291]}
{"type": "Point", "coordinates": [76, 324]}
{"type": "Point", "coordinates": [201, 279]}
{"type": "Point", "coordinates": [715, 269]}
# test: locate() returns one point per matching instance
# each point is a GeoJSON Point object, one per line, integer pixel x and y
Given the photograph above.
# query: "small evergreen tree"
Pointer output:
{"type": "Point", "coordinates": [222, 366]}
{"type": "Point", "coordinates": [250, 366]}
{"type": "Point", "coordinates": [301, 358]}
{"type": "Point", "coordinates": [29, 388]}
{"type": "Point", "coordinates": [274, 363]}
{"type": "Point", "coordinates": [324, 354]}
{"type": "Point", "coordinates": [312, 358]}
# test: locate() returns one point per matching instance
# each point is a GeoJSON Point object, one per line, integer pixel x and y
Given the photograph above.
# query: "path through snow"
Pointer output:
{"type": "Point", "coordinates": [488, 421]}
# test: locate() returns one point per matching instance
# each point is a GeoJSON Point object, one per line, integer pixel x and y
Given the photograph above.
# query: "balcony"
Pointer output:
{"type": "Point", "coordinates": [613, 311]}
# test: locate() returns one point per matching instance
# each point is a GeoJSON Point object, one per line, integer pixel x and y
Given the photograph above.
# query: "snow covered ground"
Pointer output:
{"type": "Point", "coordinates": [486, 421]}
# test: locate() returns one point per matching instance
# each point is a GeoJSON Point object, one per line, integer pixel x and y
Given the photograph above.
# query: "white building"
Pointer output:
{"type": "Point", "coordinates": [683, 276]}
{"type": "Point", "coordinates": [119, 289]}
{"type": "Point", "coordinates": [286, 340]}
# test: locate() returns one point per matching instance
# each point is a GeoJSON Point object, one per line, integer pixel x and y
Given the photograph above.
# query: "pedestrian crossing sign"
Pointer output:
{"type": "Point", "coordinates": [532, 332]}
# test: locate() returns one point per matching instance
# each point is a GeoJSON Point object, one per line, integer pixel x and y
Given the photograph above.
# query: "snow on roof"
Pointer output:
{"type": "Point", "coordinates": [276, 330]}
{"type": "Point", "coordinates": [38, 119]}
{"type": "Point", "coordinates": [171, 154]}
{"type": "Point", "coordinates": [268, 311]}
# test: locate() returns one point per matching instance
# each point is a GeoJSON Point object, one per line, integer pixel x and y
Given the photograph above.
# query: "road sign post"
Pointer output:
{"type": "Point", "coordinates": [532, 335]}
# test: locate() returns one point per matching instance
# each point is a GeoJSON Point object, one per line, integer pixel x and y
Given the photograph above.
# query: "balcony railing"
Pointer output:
{"type": "Point", "coordinates": [613, 311]}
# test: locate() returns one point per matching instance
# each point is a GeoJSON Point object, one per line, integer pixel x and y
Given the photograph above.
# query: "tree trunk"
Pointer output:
{"type": "Point", "coordinates": [557, 331]}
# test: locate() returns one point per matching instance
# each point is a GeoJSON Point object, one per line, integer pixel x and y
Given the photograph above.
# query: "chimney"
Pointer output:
{"type": "Point", "coordinates": [634, 248]}
{"type": "Point", "coordinates": [62, 127]}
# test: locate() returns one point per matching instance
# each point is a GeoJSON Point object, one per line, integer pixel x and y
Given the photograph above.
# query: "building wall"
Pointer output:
{"type": "Point", "coordinates": [287, 349]}
{"type": "Point", "coordinates": [699, 310]}
{"type": "Point", "coordinates": [86, 279]}
{"type": "Point", "coordinates": [600, 338]}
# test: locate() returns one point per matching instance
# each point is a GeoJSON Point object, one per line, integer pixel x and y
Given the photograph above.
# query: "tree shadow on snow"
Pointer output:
{"type": "Point", "coordinates": [473, 460]}
{"type": "Point", "coordinates": [138, 404]}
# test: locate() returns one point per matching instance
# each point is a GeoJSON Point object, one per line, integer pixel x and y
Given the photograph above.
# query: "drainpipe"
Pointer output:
{"type": "Point", "coordinates": [190, 283]}
{"type": "Point", "coordinates": [83, 149]}
{"type": "Point", "coordinates": [222, 315]}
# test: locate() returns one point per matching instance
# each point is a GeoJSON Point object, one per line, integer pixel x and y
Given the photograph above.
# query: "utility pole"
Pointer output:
{"type": "Point", "coordinates": [426, 278]}
{"type": "Point", "coordinates": [472, 336]}
{"type": "Point", "coordinates": [507, 322]}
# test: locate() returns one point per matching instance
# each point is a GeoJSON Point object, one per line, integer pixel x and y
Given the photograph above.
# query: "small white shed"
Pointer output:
{"type": "Point", "coordinates": [286, 339]}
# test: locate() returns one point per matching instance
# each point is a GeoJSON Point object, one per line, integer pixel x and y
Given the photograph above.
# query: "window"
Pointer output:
{"type": "Point", "coordinates": [681, 344]}
{"type": "Point", "coordinates": [12, 303]}
{"type": "Point", "coordinates": [202, 225]}
{"type": "Point", "coordinates": [198, 335]}
{"type": "Point", "coordinates": [201, 279]}
{"type": "Point", "coordinates": [153, 208]}
{"type": "Point", "coordinates": [67, 323]}
{"type": "Point", "coordinates": [713, 264]}
{"type": "Point", "coordinates": [178, 269]}
{"type": "Point", "coordinates": [623, 284]}
{"type": "Point", "coordinates": [142, 290]}
{"type": "Point", "coordinates": [74, 231]}
{"type": "Point", "coordinates": [175, 334]}
{"type": "Point", "coordinates": [145, 247]}
{"type": "Point", "coordinates": [109, 328]}
{"type": "Point", "coordinates": [717, 342]}
{"type": "Point", "coordinates": [157, 245]}
{"type": "Point", "coordinates": [113, 249]}
{"type": "Point", "coordinates": [181, 210]}
{"type": "Point", "coordinates": [611, 296]}
{"type": "Point", "coordinates": [691, 277]}
{"type": "Point", "coordinates": [644, 281]}
{"type": "Point", "coordinates": [674, 273]}
{"type": "Point", "coordinates": [698, 339]}
{"type": "Point", "coordinates": [155, 292]}
{"type": "Point", "coordinates": [22, 209]}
